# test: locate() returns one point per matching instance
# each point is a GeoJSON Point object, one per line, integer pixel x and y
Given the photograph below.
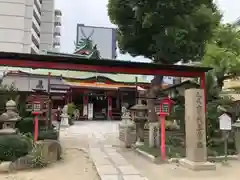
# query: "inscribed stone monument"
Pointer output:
{"type": "Point", "coordinates": [196, 150]}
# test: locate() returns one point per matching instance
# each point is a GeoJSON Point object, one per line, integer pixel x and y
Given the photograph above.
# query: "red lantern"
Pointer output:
{"type": "Point", "coordinates": [165, 106]}
{"type": "Point", "coordinates": [37, 109]}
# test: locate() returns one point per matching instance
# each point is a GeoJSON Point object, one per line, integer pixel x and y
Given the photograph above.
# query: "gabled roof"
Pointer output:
{"type": "Point", "coordinates": [185, 83]}
{"type": "Point", "coordinates": [124, 78]}
{"type": "Point", "coordinates": [96, 85]}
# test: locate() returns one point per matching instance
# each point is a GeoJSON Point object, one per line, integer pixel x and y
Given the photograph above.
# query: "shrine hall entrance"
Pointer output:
{"type": "Point", "coordinates": [97, 105]}
{"type": "Point", "coordinates": [100, 106]}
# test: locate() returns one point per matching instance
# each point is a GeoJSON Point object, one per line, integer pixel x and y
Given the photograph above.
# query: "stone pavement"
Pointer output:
{"type": "Point", "coordinates": [100, 139]}
{"type": "Point", "coordinates": [110, 164]}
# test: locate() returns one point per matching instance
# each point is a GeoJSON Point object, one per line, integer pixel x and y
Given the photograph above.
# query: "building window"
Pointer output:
{"type": "Point", "coordinates": [58, 13]}
{"type": "Point", "coordinates": [36, 30]}
{"type": "Point", "coordinates": [57, 23]}
{"type": "Point", "coordinates": [56, 44]}
{"type": "Point", "coordinates": [35, 41]}
{"type": "Point", "coordinates": [57, 34]}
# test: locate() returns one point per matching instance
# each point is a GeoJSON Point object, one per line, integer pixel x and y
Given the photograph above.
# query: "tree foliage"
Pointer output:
{"type": "Point", "coordinates": [223, 53]}
{"type": "Point", "coordinates": [165, 31]}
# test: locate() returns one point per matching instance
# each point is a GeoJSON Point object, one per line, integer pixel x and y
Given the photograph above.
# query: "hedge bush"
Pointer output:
{"type": "Point", "coordinates": [49, 134]}
{"type": "Point", "coordinates": [14, 146]}
{"type": "Point", "coordinates": [26, 125]}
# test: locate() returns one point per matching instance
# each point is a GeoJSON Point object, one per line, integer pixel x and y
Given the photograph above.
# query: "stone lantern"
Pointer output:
{"type": "Point", "coordinates": [139, 115]}
{"type": "Point", "coordinates": [236, 128]}
{"type": "Point", "coordinates": [126, 128]}
{"type": "Point", "coordinates": [9, 118]}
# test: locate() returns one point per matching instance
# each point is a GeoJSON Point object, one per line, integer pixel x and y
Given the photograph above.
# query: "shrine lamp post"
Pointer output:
{"type": "Point", "coordinates": [165, 105]}
{"type": "Point", "coordinates": [36, 112]}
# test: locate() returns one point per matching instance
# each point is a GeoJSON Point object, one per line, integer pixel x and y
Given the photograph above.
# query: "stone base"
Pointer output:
{"type": "Point", "coordinates": [8, 131]}
{"type": "Point", "coordinates": [139, 143]}
{"type": "Point", "coordinates": [154, 136]}
{"type": "Point", "coordinates": [197, 166]}
{"type": "Point", "coordinates": [64, 121]}
{"type": "Point", "coordinates": [64, 125]}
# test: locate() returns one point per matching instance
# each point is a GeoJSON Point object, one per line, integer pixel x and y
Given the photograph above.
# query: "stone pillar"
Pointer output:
{"type": "Point", "coordinates": [125, 130]}
{"type": "Point", "coordinates": [236, 128]}
{"type": "Point", "coordinates": [140, 133]}
{"type": "Point", "coordinates": [196, 150]}
{"type": "Point", "coordinates": [154, 134]}
{"type": "Point", "coordinates": [109, 107]}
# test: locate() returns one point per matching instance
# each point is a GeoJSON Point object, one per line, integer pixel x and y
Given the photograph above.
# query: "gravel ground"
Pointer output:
{"type": "Point", "coordinates": [75, 165]}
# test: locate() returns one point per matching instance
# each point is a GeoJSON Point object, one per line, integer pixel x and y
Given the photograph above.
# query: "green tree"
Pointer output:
{"type": "Point", "coordinates": [165, 31]}
{"type": "Point", "coordinates": [223, 53]}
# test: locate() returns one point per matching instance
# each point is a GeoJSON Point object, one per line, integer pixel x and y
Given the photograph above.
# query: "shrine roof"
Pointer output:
{"type": "Point", "coordinates": [103, 65]}
{"type": "Point", "coordinates": [96, 85]}
{"type": "Point", "coordinates": [79, 75]}
{"type": "Point", "coordinates": [186, 84]}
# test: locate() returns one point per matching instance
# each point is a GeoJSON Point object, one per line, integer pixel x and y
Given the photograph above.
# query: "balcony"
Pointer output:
{"type": "Point", "coordinates": [56, 49]}
{"type": "Point", "coordinates": [56, 41]}
{"type": "Point", "coordinates": [58, 12]}
{"type": "Point", "coordinates": [58, 21]}
{"type": "Point", "coordinates": [35, 37]}
{"type": "Point", "coordinates": [57, 31]}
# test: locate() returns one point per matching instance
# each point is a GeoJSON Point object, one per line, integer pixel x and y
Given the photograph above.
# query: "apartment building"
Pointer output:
{"type": "Point", "coordinates": [57, 30]}
{"type": "Point", "coordinates": [50, 26]}
{"type": "Point", "coordinates": [25, 25]}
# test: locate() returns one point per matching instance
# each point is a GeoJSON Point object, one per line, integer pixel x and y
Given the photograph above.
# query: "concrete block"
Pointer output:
{"type": "Point", "coordinates": [128, 170]}
{"type": "Point", "coordinates": [109, 177]}
{"type": "Point", "coordinates": [134, 177]}
{"type": "Point", "coordinates": [106, 169]}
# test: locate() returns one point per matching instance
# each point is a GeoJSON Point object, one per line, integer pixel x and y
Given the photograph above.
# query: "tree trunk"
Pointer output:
{"type": "Point", "coordinates": [156, 85]}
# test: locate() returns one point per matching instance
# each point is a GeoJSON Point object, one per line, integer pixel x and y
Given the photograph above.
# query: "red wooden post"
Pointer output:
{"type": "Point", "coordinates": [49, 122]}
{"type": "Point", "coordinates": [36, 127]}
{"type": "Point", "coordinates": [163, 148]}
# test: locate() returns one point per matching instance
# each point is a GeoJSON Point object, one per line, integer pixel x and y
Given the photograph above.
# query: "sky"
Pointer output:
{"type": "Point", "coordinates": [94, 13]}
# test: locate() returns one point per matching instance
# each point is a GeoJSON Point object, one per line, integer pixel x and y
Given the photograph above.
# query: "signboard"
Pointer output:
{"type": "Point", "coordinates": [36, 106]}
{"type": "Point", "coordinates": [90, 111]}
{"type": "Point", "coordinates": [104, 38]}
{"type": "Point", "coordinates": [225, 122]}
{"type": "Point", "coordinates": [85, 110]}
{"type": "Point", "coordinates": [165, 108]}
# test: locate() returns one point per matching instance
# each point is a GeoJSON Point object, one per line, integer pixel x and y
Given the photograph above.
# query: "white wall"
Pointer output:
{"type": "Point", "coordinates": [47, 25]}
{"type": "Point", "coordinates": [16, 17]}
